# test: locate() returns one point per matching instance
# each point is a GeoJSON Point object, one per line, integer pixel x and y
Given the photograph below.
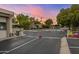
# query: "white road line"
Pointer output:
{"type": "Point", "coordinates": [44, 30]}
{"type": "Point", "coordinates": [70, 38]}
{"type": "Point", "coordinates": [64, 46]}
{"type": "Point", "coordinates": [52, 37]}
{"type": "Point", "coordinates": [45, 37]}
{"type": "Point", "coordinates": [20, 46]}
{"type": "Point", "coordinates": [32, 36]}
{"type": "Point", "coordinates": [3, 51]}
{"type": "Point", "coordinates": [74, 47]}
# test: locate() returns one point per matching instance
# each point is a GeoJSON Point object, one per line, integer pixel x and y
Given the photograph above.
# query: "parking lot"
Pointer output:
{"type": "Point", "coordinates": [32, 43]}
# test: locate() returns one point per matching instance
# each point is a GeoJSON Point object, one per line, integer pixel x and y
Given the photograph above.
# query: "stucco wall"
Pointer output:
{"type": "Point", "coordinates": [2, 33]}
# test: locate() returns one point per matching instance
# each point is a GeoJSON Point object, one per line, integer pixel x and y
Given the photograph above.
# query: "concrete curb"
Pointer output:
{"type": "Point", "coordinates": [7, 38]}
{"type": "Point", "coordinates": [64, 46]}
{"type": "Point", "coordinates": [72, 38]}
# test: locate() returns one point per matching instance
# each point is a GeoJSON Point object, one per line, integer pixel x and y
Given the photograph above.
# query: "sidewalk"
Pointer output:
{"type": "Point", "coordinates": [72, 35]}
{"type": "Point", "coordinates": [64, 46]}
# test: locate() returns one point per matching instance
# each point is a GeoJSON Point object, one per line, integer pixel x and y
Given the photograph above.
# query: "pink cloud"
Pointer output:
{"type": "Point", "coordinates": [40, 12]}
{"type": "Point", "coordinates": [35, 11]}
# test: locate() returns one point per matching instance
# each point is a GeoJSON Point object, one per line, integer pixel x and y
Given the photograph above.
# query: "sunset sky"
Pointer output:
{"type": "Point", "coordinates": [37, 10]}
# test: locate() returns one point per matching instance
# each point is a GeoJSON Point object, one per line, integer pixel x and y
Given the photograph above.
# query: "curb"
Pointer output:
{"type": "Point", "coordinates": [72, 38]}
{"type": "Point", "coordinates": [7, 38]}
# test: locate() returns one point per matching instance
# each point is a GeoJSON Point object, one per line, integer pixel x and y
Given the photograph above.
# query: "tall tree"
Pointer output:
{"type": "Point", "coordinates": [48, 23]}
{"type": "Point", "coordinates": [69, 17]}
{"type": "Point", "coordinates": [24, 21]}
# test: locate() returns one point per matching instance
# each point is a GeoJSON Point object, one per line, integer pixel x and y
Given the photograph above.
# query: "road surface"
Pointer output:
{"type": "Point", "coordinates": [73, 45]}
{"type": "Point", "coordinates": [32, 43]}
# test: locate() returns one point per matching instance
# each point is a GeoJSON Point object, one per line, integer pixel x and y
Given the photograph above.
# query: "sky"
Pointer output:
{"type": "Point", "coordinates": [43, 11]}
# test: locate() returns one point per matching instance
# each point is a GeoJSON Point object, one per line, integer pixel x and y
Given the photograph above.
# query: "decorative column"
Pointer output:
{"type": "Point", "coordinates": [9, 27]}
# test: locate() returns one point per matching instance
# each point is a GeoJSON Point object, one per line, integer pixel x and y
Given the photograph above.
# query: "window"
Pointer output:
{"type": "Point", "coordinates": [2, 26]}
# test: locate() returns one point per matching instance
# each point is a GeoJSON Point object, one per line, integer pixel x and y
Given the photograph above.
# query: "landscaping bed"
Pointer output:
{"type": "Point", "coordinates": [72, 34]}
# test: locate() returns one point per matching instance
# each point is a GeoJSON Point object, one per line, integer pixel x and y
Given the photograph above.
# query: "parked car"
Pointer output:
{"type": "Point", "coordinates": [76, 35]}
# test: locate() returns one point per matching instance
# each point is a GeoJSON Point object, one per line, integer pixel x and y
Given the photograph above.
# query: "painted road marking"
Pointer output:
{"type": "Point", "coordinates": [70, 38]}
{"type": "Point", "coordinates": [45, 37]}
{"type": "Point", "coordinates": [3, 51]}
{"type": "Point", "coordinates": [64, 46]}
{"type": "Point", "coordinates": [74, 47]}
{"type": "Point", "coordinates": [43, 30]}
{"type": "Point", "coordinates": [20, 46]}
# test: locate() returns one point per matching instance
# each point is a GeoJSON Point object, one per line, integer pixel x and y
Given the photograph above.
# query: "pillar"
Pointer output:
{"type": "Point", "coordinates": [9, 27]}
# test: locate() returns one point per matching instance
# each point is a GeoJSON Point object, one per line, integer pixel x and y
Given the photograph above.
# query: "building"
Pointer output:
{"type": "Point", "coordinates": [6, 23]}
